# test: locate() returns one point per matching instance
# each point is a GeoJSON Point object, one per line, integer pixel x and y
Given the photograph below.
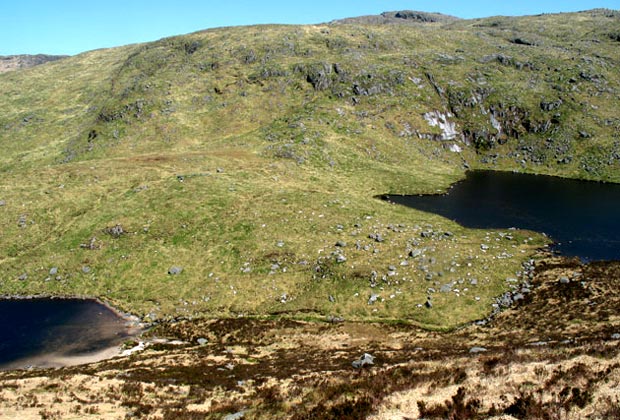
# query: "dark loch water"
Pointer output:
{"type": "Point", "coordinates": [583, 218]}
{"type": "Point", "coordinates": [33, 328]}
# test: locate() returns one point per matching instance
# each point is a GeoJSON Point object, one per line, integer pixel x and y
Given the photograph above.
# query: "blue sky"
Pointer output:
{"type": "Point", "coordinates": [74, 26]}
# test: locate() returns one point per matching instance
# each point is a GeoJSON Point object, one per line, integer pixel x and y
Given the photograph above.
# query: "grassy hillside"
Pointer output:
{"type": "Point", "coordinates": [249, 157]}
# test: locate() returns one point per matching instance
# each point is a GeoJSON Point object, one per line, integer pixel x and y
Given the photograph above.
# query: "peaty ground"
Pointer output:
{"type": "Point", "coordinates": [553, 355]}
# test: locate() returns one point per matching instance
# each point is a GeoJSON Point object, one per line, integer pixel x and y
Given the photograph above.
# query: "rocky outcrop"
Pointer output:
{"type": "Point", "coordinates": [401, 17]}
{"type": "Point", "coordinates": [441, 120]}
{"type": "Point", "coordinates": [16, 62]}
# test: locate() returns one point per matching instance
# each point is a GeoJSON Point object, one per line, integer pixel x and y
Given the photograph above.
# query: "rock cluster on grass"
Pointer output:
{"type": "Point", "coordinates": [115, 231]}
{"type": "Point", "coordinates": [518, 292]}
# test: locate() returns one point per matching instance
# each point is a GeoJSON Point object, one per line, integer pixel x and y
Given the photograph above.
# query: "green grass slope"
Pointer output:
{"type": "Point", "coordinates": [250, 157]}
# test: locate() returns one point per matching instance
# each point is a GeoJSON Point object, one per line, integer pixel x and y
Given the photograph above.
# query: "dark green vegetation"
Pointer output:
{"type": "Point", "coordinates": [249, 157]}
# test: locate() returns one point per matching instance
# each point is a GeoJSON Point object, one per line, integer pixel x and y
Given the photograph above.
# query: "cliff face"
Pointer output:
{"type": "Point", "coordinates": [23, 61]}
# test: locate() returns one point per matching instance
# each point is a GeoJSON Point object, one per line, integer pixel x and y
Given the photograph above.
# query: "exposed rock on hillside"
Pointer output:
{"type": "Point", "coordinates": [14, 62]}
{"type": "Point", "coordinates": [402, 17]}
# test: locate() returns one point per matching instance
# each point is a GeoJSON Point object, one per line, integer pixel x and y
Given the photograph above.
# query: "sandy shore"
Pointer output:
{"type": "Point", "coordinates": [60, 357]}
{"type": "Point", "coordinates": [54, 360]}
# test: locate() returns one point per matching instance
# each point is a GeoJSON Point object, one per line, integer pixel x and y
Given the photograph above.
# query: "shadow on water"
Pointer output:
{"type": "Point", "coordinates": [582, 217]}
{"type": "Point", "coordinates": [33, 328]}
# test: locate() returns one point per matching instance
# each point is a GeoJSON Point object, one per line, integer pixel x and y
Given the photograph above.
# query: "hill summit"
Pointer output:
{"type": "Point", "coordinates": [398, 17]}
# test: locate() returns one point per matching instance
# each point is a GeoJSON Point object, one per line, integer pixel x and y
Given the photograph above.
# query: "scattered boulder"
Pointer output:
{"type": "Point", "coordinates": [376, 236]}
{"type": "Point", "coordinates": [141, 346]}
{"type": "Point", "coordinates": [505, 300]}
{"type": "Point", "coordinates": [86, 269]}
{"type": "Point", "coordinates": [564, 280]}
{"type": "Point", "coordinates": [366, 359]}
{"type": "Point", "coordinates": [341, 244]}
{"type": "Point", "coordinates": [23, 277]}
{"type": "Point", "coordinates": [502, 59]}
{"type": "Point", "coordinates": [615, 336]}
{"type": "Point", "coordinates": [550, 106]}
{"type": "Point", "coordinates": [22, 221]}
{"type": "Point", "coordinates": [522, 41]}
{"type": "Point", "coordinates": [446, 288]}
{"type": "Point", "coordinates": [584, 134]}
{"type": "Point", "coordinates": [373, 276]}
{"type": "Point", "coordinates": [174, 270]}
{"type": "Point", "coordinates": [372, 299]}
{"type": "Point", "coordinates": [202, 341]}
{"type": "Point", "coordinates": [335, 319]}
{"type": "Point", "coordinates": [2, 203]}
{"type": "Point", "coordinates": [53, 271]}
{"type": "Point", "coordinates": [475, 350]}
{"type": "Point", "coordinates": [415, 253]}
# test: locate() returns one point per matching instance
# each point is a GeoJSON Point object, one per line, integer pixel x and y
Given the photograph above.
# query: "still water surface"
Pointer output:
{"type": "Point", "coordinates": [61, 328]}
{"type": "Point", "coordinates": [582, 217]}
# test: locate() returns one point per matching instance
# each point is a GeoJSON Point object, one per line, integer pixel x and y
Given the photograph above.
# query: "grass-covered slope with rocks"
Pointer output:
{"type": "Point", "coordinates": [232, 171]}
